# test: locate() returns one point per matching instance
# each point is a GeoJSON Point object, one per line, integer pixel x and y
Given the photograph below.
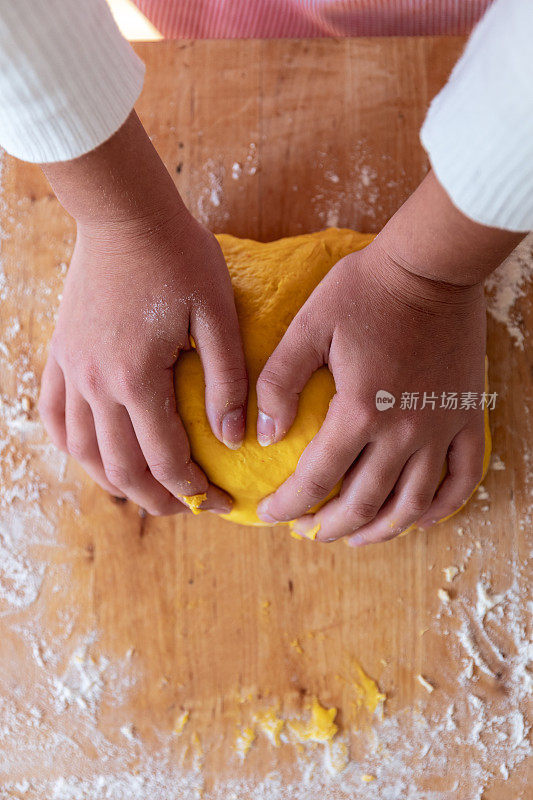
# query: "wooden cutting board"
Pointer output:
{"type": "Point", "coordinates": [263, 140]}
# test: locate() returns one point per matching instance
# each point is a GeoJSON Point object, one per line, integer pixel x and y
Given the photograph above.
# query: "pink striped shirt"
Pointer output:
{"type": "Point", "coordinates": [248, 19]}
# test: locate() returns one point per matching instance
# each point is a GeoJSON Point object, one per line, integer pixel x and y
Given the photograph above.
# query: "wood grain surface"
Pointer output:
{"type": "Point", "coordinates": [263, 139]}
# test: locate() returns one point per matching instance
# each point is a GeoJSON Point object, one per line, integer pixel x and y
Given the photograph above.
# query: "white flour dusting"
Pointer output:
{"type": "Point", "coordinates": [507, 285]}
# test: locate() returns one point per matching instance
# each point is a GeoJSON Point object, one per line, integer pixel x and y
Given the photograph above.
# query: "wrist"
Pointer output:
{"type": "Point", "coordinates": [429, 237]}
{"type": "Point", "coordinates": [415, 291]}
{"type": "Point", "coordinates": [123, 182]}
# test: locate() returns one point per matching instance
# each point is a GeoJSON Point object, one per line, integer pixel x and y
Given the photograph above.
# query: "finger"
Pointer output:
{"type": "Point", "coordinates": [124, 464]}
{"type": "Point", "coordinates": [52, 403]}
{"type": "Point", "coordinates": [284, 376]}
{"type": "Point", "coordinates": [226, 384]}
{"type": "Point", "coordinates": [410, 499]}
{"type": "Point", "coordinates": [81, 439]}
{"type": "Point", "coordinates": [322, 464]}
{"type": "Point", "coordinates": [165, 447]}
{"type": "Point", "coordinates": [364, 490]}
{"type": "Point", "coordinates": [465, 468]}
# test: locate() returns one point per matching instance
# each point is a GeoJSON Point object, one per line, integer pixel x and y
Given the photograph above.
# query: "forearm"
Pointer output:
{"type": "Point", "coordinates": [430, 237]}
{"type": "Point", "coordinates": [120, 182]}
{"type": "Point", "coordinates": [68, 78]}
{"type": "Point", "coordinates": [478, 132]}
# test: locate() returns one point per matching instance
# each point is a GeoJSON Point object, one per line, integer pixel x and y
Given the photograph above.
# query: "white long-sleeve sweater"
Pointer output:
{"type": "Point", "coordinates": [68, 80]}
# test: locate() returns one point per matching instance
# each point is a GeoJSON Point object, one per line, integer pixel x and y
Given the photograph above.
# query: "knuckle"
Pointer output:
{"type": "Point", "coordinates": [416, 503]}
{"type": "Point", "coordinates": [358, 510]}
{"type": "Point", "coordinates": [91, 381]}
{"type": "Point", "coordinates": [354, 418]}
{"type": "Point", "coordinates": [408, 432]}
{"type": "Point", "coordinates": [366, 421]}
{"type": "Point", "coordinates": [233, 378]}
{"type": "Point", "coordinates": [313, 488]}
{"type": "Point", "coordinates": [164, 471]}
{"type": "Point", "coordinates": [130, 381]}
{"type": "Point", "coordinates": [120, 475]}
{"type": "Point", "coordinates": [270, 381]}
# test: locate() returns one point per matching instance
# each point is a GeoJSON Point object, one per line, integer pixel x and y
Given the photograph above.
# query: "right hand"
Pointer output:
{"type": "Point", "coordinates": [133, 293]}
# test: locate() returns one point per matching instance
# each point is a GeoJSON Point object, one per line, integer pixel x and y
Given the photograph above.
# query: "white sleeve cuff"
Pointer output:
{"type": "Point", "coordinates": [68, 78]}
{"type": "Point", "coordinates": [478, 132]}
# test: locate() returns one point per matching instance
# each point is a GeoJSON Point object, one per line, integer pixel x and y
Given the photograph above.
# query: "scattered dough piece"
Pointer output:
{"type": "Point", "coordinates": [194, 501]}
{"type": "Point", "coordinates": [367, 691]}
{"type": "Point", "coordinates": [271, 725]}
{"type": "Point", "coordinates": [450, 573]}
{"type": "Point", "coordinates": [486, 601]}
{"type": "Point", "coordinates": [128, 731]}
{"type": "Point", "coordinates": [181, 722]}
{"type": "Point", "coordinates": [244, 741]}
{"type": "Point", "coordinates": [426, 684]}
{"type": "Point", "coordinates": [319, 728]}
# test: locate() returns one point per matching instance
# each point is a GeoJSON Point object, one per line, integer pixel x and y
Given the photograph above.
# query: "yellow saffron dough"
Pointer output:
{"type": "Point", "coordinates": [271, 282]}
{"type": "Point", "coordinates": [194, 501]}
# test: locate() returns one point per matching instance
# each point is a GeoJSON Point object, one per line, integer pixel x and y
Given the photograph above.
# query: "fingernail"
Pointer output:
{"type": "Point", "coordinates": [233, 428]}
{"type": "Point", "coordinates": [263, 514]}
{"type": "Point", "coordinates": [304, 527]}
{"type": "Point", "coordinates": [220, 509]}
{"type": "Point", "coordinates": [355, 541]}
{"type": "Point", "coordinates": [266, 429]}
{"type": "Point", "coordinates": [267, 518]}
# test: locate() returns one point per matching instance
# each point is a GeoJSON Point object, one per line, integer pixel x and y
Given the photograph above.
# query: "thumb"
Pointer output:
{"type": "Point", "coordinates": [219, 345]}
{"type": "Point", "coordinates": [284, 376]}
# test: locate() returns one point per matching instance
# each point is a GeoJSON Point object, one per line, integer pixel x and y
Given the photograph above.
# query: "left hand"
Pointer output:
{"type": "Point", "coordinates": [405, 315]}
{"type": "Point", "coordinates": [378, 326]}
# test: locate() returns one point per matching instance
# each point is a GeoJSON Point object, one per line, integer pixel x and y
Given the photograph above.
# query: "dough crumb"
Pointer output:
{"type": "Point", "coordinates": [425, 683]}
{"type": "Point", "coordinates": [244, 741]}
{"type": "Point", "coordinates": [450, 573]}
{"type": "Point", "coordinates": [443, 596]}
{"type": "Point", "coordinates": [271, 725]}
{"type": "Point", "coordinates": [194, 501]}
{"type": "Point", "coordinates": [320, 727]}
{"type": "Point", "coordinates": [181, 722]}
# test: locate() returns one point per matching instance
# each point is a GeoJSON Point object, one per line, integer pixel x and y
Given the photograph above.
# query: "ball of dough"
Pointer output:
{"type": "Point", "coordinates": [271, 282]}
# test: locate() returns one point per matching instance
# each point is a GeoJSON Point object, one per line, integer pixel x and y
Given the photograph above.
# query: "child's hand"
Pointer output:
{"type": "Point", "coordinates": [404, 315]}
{"type": "Point", "coordinates": [143, 277]}
{"type": "Point", "coordinates": [380, 328]}
{"type": "Point", "coordinates": [129, 302]}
